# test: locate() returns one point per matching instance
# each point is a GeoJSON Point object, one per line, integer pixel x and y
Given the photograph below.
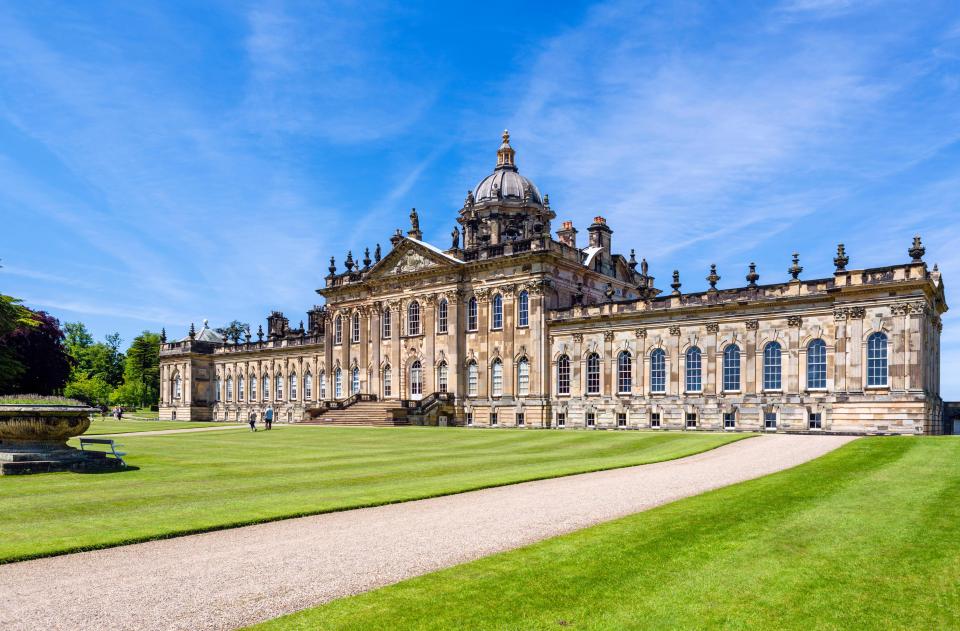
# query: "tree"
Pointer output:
{"type": "Point", "coordinates": [92, 390]}
{"type": "Point", "coordinates": [234, 331]}
{"type": "Point", "coordinates": [143, 368]}
{"type": "Point", "coordinates": [12, 316]}
{"type": "Point", "coordinates": [40, 349]}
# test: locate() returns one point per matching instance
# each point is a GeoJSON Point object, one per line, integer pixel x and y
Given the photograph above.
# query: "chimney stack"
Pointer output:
{"type": "Point", "coordinates": [568, 234]}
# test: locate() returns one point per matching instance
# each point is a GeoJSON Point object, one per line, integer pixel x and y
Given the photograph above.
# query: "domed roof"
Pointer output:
{"type": "Point", "coordinates": [505, 182]}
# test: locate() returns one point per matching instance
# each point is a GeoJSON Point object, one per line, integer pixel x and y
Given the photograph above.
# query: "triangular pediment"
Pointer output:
{"type": "Point", "coordinates": [410, 257]}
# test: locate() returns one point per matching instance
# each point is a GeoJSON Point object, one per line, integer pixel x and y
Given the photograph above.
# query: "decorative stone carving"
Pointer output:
{"type": "Point", "coordinates": [713, 327]}
{"type": "Point", "coordinates": [412, 261]}
{"type": "Point", "coordinates": [840, 313]}
{"type": "Point", "coordinates": [794, 321]}
{"type": "Point", "coordinates": [674, 330]}
{"type": "Point", "coordinates": [752, 325]}
{"type": "Point", "coordinates": [857, 313]}
{"type": "Point", "coordinates": [578, 337]}
{"type": "Point", "coordinates": [608, 336]}
{"type": "Point", "coordinates": [917, 307]}
{"type": "Point", "coordinates": [901, 308]}
{"type": "Point", "coordinates": [641, 333]}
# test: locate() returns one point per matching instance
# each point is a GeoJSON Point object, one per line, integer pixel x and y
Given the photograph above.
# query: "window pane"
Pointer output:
{"type": "Point", "coordinates": [523, 309]}
{"type": "Point", "coordinates": [497, 312]}
{"type": "Point", "coordinates": [731, 368]}
{"type": "Point", "coordinates": [563, 375]}
{"type": "Point", "coordinates": [694, 381]}
{"type": "Point", "coordinates": [523, 377]}
{"type": "Point", "coordinates": [771, 367]}
{"type": "Point", "coordinates": [593, 374]}
{"type": "Point", "coordinates": [658, 371]}
{"type": "Point", "coordinates": [497, 382]}
{"type": "Point", "coordinates": [817, 364]}
{"type": "Point", "coordinates": [473, 376]}
{"type": "Point", "coordinates": [442, 317]}
{"type": "Point", "coordinates": [624, 373]}
{"type": "Point", "coordinates": [472, 315]}
{"type": "Point", "coordinates": [877, 360]}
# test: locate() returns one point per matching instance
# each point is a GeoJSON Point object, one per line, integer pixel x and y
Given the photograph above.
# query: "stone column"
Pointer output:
{"type": "Point", "coordinates": [399, 376]}
{"type": "Point", "coordinates": [607, 365]}
{"type": "Point", "coordinates": [454, 344]}
{"type": "Point", "coordinates": [429, 330]}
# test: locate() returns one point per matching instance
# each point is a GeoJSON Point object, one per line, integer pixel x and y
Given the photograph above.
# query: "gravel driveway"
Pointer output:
{"type": "Point", "coordinates": [231, 578]}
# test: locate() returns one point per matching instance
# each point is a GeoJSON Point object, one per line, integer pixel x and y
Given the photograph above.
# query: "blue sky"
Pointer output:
{"type": "Point", "coordinates": [161, 163]}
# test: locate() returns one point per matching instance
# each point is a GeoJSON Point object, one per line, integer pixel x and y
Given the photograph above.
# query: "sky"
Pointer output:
{"type": "Point", "coordinates": [166, 162]}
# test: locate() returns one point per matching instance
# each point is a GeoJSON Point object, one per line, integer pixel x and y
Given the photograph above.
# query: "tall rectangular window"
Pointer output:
{"type": "Point", "coordinates": [469, 418]}
{"type": "Point", "coordinates": [731, 368]}
{"type": "Point", "coordinates": [817, 365]}
{"type": "Point", "coordinates": [654, 419]}
{"type": "Point", "coordinates": [591, 419]}
{"type": "Point", "coordinates": [473, 378]}
{"type": "Point", "coordinates": [621, 419]}
{"type": "Point", "coordinates": [387, 382]}
{"type": "Point", "coordinates": [521, 419]}
{"type": "Point", "coordinates": [523, 309]}
{"type": "Point", "coordinates": [523, 377]}
{"type": "Point", "coordinates": [278, 388]}
{"type": "Point", "coordinates": [691, 420]}
{"type": "Point", "coordinates": [771, 366]}
{"type": "Point", "coordinates": [694, 372]}
{"type": "Point", "coordinates": [493, 418]}
{"type": "Point", "coordinates": [355, 329]}
{"type": "Point", "coordinates": [658, 371]}
{"type": "Point", "coordinates": [593, 374]}
{"type": "Point", "coordinates": [497, 315]}
{"type": "Point", "coordinates": [561, 419]}
{"type": "Point", "coordinates": [442, 316]}
{"type": "Point", "coordinates": [877, 360]}
{"type": "Point", "coordinates": [563, 375]}
{"type": "Point", "coordinates": [624, 373]}
{"type": "Point", "coordinates": [472, 315]}
{"type": "Point", "coordinates": [385, 324]}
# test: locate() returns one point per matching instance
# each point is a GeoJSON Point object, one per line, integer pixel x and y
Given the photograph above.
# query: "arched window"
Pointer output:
{"type": "Point", "coordinates": [338, 330]}
{"type": "Point", "coordinates": [338, 383]}
{"type": "Point", "coordinates": [266, 388]}
{"type": "Point", "coordinates": [253, 388]}
{"type": "Point", "coordinates": [217, 385]}
{"type": "Point", "coordinates": [473, 379]}
{"type": "Point", "coordinates": [442, 377]}
{"type": "Point", "coordinates": [385, 324]}
{"type": "Point", "coordinates": [229, 388]}
{"type": "Point", "coordinates": [694, 370]}
{"type": "Point", "coordinates": [355, 328]}
{"type": "Point", "coordinates": [323, 385]}
{"type": "Point", "coordinates": [563, 375]}
{"type": "Point", "coordinates": [593, 374]}
{"type": "Point", "coordinates": [496, 315]}
{"type": "Point", "coordinates": [624, 372]}
{"type": "Point", "coordinates": [877, 359]}
{"type": "Point", "coordinates": [413, 318]}
{"type": "Point", "coordinates": [178, 387]}
{"type": "Point", "coordinates": [293, 386]}
{"type": "Point", "coordinates": [496, 378]}
{"type": "Point", "coordinates": [442, 316]}
{"type": "Point", "coordinates": [278, 387]}
{"type": "Point", "coordinates": [355, 381]}
{"type": "Point", "coordinates": [817, 364]}
{"type": "Point", "coordinates": [523, 377]}
{"type": "Point", "coordinates": [523, 309]}
{"type": "Point", "coordinates": [307, 386]}
{"type": "Point", "coordinates": [771, 366]}
{"type": "Point", "coordinates": [241, 390]}
{"type": "Point", "coordinates": [731, 368]}
{"type": "Point", "coordinates": [472, 314]}
{"type": "Point", "coordinates": [416, 379]}
{"type": "Point", "coordinates": [658, 371]}
{"type": "Point", "coordinates": [387, 381]}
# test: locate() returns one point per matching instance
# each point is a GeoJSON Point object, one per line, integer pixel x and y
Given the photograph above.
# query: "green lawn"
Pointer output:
{"type": "Point", "coordinates": [866, 537]}
{"type": "Point", "coordinates": [110, 425]}
{"type": "Point", "coordinates": [206, 480]}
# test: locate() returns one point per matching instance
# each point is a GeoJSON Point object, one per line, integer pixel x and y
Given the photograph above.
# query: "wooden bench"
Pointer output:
{"type": "Point", "coordinates": [104, 441]}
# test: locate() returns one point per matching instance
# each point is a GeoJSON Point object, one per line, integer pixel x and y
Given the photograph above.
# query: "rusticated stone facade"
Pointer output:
{"type": "Point", "coordinates": [527, 329]}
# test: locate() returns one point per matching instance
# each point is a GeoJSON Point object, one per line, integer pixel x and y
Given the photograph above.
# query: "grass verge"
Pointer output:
{"type": "Point", "coordinates": [194, 482]}
{"type": "Point", "coordinates": [862, 538]}
{"type": "Point", "coordinates": [110, 425]}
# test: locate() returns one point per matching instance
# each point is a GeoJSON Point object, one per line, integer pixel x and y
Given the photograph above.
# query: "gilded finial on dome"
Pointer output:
{"type": "Point", "coordinates": [505, 153]}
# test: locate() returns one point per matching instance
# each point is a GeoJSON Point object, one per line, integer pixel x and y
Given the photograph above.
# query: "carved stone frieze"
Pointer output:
{"type": "Point", "coordinates": [752, 325]}
{"type": "Point", "coordinates": [857, 313]}
{"type": "Point", "coordinates": [641, 333]}
{"type": "Point", "coordinates": [840, 313]}
{"type": "Point", "coordinates": [578, 337]}
{"type": "Point", "coordinates": [608, 336]}
{"type": "Point", "coordinates": [713, 327]}
{"type": "Point", "coordinates": [674, 330]}
{"type": "Point", "coordinates": [794, 321]}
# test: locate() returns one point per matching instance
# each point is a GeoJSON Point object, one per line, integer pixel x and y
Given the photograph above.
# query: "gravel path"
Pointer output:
{"type": "Point", "coordinates": [231, 578]}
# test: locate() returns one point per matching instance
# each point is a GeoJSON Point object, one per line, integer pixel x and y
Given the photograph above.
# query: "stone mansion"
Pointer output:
{"type": "Point", "coordinates": [515, 325]}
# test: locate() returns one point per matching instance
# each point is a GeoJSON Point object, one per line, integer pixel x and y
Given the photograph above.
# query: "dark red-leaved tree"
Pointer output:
{"type": "Point", "coordinates": [41, 351]}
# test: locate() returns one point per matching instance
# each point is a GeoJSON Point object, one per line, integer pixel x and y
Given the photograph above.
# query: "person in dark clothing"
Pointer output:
{"type": "Point", "coordinates": [253, 421]}
{"type": "Point", "coordinates": [268, 417]}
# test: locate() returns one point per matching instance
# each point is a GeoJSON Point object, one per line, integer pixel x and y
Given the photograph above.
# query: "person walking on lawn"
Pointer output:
{"type": "Point", "coordinates": [268, 417]}
{"type": "Point", "coordinates": [253, 421]}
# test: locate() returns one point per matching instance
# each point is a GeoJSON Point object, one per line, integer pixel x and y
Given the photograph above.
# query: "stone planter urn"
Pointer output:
{"type": "Point", "coordinates": [33, 439]}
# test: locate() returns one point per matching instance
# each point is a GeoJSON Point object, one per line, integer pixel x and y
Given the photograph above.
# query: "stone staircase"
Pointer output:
{"type": "Point", "coordinates": [379, 413]}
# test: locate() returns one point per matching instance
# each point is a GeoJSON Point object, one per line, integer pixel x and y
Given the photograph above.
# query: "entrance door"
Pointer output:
{"type": "Point", "coordinates": [416, 381]}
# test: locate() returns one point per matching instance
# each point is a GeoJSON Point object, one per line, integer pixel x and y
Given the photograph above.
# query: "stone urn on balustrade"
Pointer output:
{"type": "Point", "coordinates": [33, 438]}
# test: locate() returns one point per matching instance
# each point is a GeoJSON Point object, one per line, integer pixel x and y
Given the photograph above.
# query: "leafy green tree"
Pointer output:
{"type": "Point", "coordinates": [100, 359]}
{"type": "Point", "coordinates": [234, 331]}
{"type": "Point", "coordinates": [143, 368]}
{"type": "Point", "coordinates": [93, 390]}
{"type": "Point", "coordinates": [39, 348]}
{"type": "Point", "coordinates": [12, 316]}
